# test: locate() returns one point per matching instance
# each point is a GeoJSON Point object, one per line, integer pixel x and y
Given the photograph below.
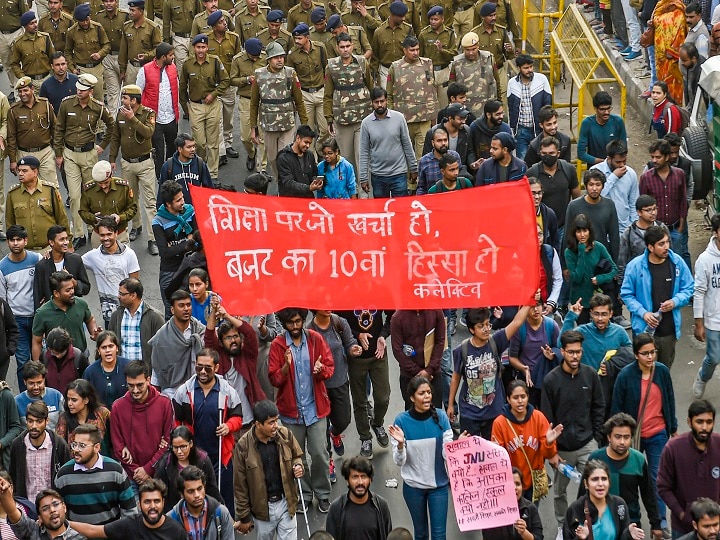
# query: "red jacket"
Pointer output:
{"type": "Point", "coordinates": [151, 93]}
{"type": "Point", "coordinates": [60, 374]}
{"type": "Point", "coordinates": [285, 382]}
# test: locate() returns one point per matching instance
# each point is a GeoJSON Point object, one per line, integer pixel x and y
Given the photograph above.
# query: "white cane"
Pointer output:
{"type": "Point", "coordinates": [302, 501]}
{"type": "Point", "coordinates": [219, 460]}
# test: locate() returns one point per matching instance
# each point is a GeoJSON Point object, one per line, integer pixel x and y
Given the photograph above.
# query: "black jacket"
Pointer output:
{"type": "Point", "coordinates": [481, 134]}
{"type": "Point", "coordinates": [550, 226]}
{"type": "Point", "coordinates": [45, 267]}
{"type": "Point", "coordinates": [532, 156]}
{"type": "Point", "coordinates": [576, 402]}
{"type": "Point", "coordinates": [9, 333]}
{"type": "Point", "coordinates": [295, 173]}
{"type": "Point", "coordinates": [529, 514]}
{"type": "Point", "coordinates": [615, 505]}
{"type": "Point", "coordinates": [335, 523]}
{"type": "Point", "coordinates": [442, 115]}
{"type": "Point", "coordinates": [464, 148]}
{"type": "Point", "coordinates": [18, 461]}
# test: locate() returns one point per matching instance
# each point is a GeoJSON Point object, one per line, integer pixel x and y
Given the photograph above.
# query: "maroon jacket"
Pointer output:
{"type": "Point", "coordinates": [245, 364]}
{"type": "Point", "coordinates": [60, 374]}
{"type": "Point", "coordinates": [409, 327]}
{"type": "Point", "coordinates": [285, 382]}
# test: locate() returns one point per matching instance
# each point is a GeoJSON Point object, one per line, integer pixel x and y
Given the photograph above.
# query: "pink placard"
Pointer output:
{"type": "Point", "coordinates": [482, 484]}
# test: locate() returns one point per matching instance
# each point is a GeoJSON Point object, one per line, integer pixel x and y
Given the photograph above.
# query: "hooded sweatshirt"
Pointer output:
{"type": "Point", "coordinates": [139, 427]}
{"type": "Point", "coordinates": [194, 172]}
{"type": "Point", "coordinates": [481, 134]}
{"type": "Point", "coordinates": [706, 299]}
{"type": "Point", "coordinates": [529, 435]}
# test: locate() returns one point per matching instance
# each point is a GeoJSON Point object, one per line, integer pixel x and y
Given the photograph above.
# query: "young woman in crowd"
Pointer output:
{"type": "Point", "coordinates": [107, 373]}
{"type": "Point", "coordinates": [588, 262]}
{"type": "Point", "coordinates": [338, 172]}
{"type": "Point", "coordinates": [82, 407]}
{"type": "Point", "coordinates": [666, 114]}
{"type": "Point", "coordinates": [199, 287]}
{"type": "Point", "coordinates": [527, 527]}
{"type": "Point", "coordinates": [418, 436]}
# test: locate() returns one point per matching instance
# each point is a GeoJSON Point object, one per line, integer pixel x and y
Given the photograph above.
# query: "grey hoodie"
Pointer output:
{"type": "Point", "coordinates": [706, 299]}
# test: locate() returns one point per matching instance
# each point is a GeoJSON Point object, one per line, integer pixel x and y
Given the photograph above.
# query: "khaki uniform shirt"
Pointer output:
{"type": "Point", "coordinates": [440, 58]}
{"type": "Point", "coordinates": [360, 42]}
{"type": "Point", "coordinates": [201, 26]}
{"type": "Point", "coordinates": [133, 136]}
{"type": "Point", "coordinates": [114, 27]}
{"type": "Point", "coordinates": [29, 127]}
{"type": "Point", "coordinates": [36, 211]}
{"type": "Point", "coordinates": [138, 40]}
{"type": "Point", "coordinates": [310, 65]}
{"type": "Point", "coordinates": [119, 200]}
{"type": "Point", "coordinates": [412, 16]}
{"type": "Point", "coordinates": [493, 42]}
{"type": "Point", "coordinates": [83, 43]}
{"type": "Point", "coordinates": [242, 72]}
{"type": "Point", "coordinates": [78, 125]}
{"type": "Point", "coordinates": [10, 13]}
{"type": "Point", "coordinates": [56, 29]}
{"type": "Point", "coordinates": [226, 49]}
{"type": "Point", "coordinates": [178, 16]}
{"type": "Point", "coordinates": [198, 80]}
{"type": "Point", "coordinates": [387, 42]}
{"type": "Point", "coordinates": [284, 38]}
{"type": "Point", "coordinates": [31, 54]}
{"type": "Point", "coordinates": [369, 22]}
{"type": "Point", "coordinates": [248, 25]}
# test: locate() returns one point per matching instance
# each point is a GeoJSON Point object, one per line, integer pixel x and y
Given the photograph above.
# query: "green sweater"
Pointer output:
{"type": "Point", "coordinates": [581, 265]}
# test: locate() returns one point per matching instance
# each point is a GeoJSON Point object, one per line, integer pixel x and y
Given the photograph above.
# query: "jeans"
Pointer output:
{"type": "Point", "coordinates": [633, 25]}
{"type": "Point", "coordinates": [653, 447]}
{"type": "Point", "coordinates": [163, 141]}
{"type": "Point", "coordinates": [577, 458]}
{"type": "Point", "coordinates": [712, 354]}
{"type": "Point", "coordinates": [22, 352]}
{"type": "Point", "coordinates": [684, 248]}
{"type": "Point", "coordinates": [387, 186]}
{"type": "Point", "coordinates": [313, 441]}
{"type": "Point", "coordinates": [523, 138]}
{"type": "Point", "coordinates": [420, 503]}
{"type": "Point", "coordinates": [280, 521]}
{"type": "Point", "coordinates": [165, 278]}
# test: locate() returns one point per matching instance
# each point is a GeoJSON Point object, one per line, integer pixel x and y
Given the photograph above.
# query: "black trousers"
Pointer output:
{"type": "Point", "coordinates": [163, 141]}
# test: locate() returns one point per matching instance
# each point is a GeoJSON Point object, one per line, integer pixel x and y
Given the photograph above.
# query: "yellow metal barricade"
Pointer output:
{"type": "Point", "coordinates": [576, 46]}
{"type": "Point", "coordinates": [536, 21]}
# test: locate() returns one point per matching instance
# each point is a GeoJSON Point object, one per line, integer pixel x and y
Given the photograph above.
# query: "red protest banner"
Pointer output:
{"type": "Point", "coordinates": [470, 248]}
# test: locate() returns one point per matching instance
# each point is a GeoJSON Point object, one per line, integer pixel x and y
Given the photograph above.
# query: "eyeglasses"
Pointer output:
{"type": "Point", "coordinates": [121, 294]}
{"type": "Point", "coordinates": [54, 505]}
{"type": "Point", "coordinates": [647, 354]}
{"type": "Point", "coordinates": [200, 368]}
{"type": "Point", "coordinates": [295, 322]}
{"type": "Point", "coordinates": [604, 109]}
{"type": "Point", "coordinates": [650, 210]}
{"type": "Point", "coordinates": [79, 445]}
{"type": "Point", "coordinates": [573, 352]}
{"type": "Point", "coordinates": [231, 337]}
{"type": "Point", "coordinates": [181, 448]}
{"type": "Point", "coordinates": [599, 315]}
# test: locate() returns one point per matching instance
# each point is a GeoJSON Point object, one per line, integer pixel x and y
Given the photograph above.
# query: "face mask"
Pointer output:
{"type": "Point", "coordinates": [549, 161]}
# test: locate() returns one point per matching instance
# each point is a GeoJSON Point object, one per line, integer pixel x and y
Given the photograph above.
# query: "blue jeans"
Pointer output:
{"type": "Point", "coordinates": [712, 354]}
{"type": "Point", "coordinates": [420, 503]}
{"type": "Point", "coordinates": [676, 242]}
{"type": "Point", "coordinates": [653, 447]}
{"type": "Point", "coordinates": [684, 248]}
{"type": "Point", "coordinates": [523, 138]}
{"type": "Point", "coordinates": [165, 278]}
{"type": "Point", "coordinates": [22, 352]}
{"type": "Point", "coordinates": [386, 186]}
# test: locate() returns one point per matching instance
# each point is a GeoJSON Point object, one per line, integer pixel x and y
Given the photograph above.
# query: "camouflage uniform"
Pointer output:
{"type": "Point", "coordinates": [493, 42]}
{"type": "Point", "coordinates": [411, 91]}
{"type": "Point", "coordinates": [347, 102]}
{"type": "Point", "coordinates": [441, 59]}
{"type": "Point", "coordinates": [480, 78]}
{"type": "Point", "coordinates": [274, 99]}
{"type": "Point", "coordinates": [241, 70]}
{"type": "Point", "coordinates": [387, 47]}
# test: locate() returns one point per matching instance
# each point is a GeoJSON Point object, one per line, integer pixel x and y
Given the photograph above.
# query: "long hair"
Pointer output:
{"type": "Point", "coordinates": [86, 391]}
{"type": "Point", "coordinates": [184, 433]}
{"type": "Point", "coordinates": [412, 387]}
{"type": "Point", "coordinates": [580, 222]}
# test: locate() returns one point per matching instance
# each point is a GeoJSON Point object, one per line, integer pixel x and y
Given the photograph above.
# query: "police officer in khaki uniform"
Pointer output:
{"type": "Point", "coordinates": [274, 31]}
{"type": "Point", "coordinates": [494, 39]}
{"type": "Point", "coordinates": [139, 39]}
{"type": "Point", "coordinates": [35, 205]}
{"type": "Point", "coordinates": [448, 12]}
{"type": "Point", "coordinates": [4, 111]}
{"type": "Point", "coordinates": [387, 40]}
{"type": "Point", "coordinates": [309, 59]}
{"type": "Point", "coordinates": [10, 30]}
{"type": "Point", "coordinates": [347, 99]}
{"type": "Point", "coordinates": [31, 125]}
{"type": "Point", "coordinates": [411, 91]}
{"type": "Point", "coordinates": [200, 21]}
{"type": "Point", "coordinates": [464, 18]}
{"type": "Point", "coordinates": [31, 52]}
{"type": "Point", "coordinates": [225, 45]}
{"type": "Point", "coordinates": [202, 80]}
{"type": "Point", "coordinates": [78, 122]}
{"type": "Point", "coordinates": [132, 135]}
{"type": "Point", "coordinates": [301, 13]}
{"type": "Point", "coordinates": [318, 30]}
{"type": "Point", "coordinates": [274, 99]}
{"type": "Point", "coordinates": [177, 20]}
{"type": "Point", "coordinates": [107, 196]}
{"type": "Point", "coordinates": [154, 10]}
{"type": "Point", "coordinates": [362, 15]}
{"type": "Point", "coordinates": [112, 20]}
{"type": "Point", "coordinates": [475, 69]}
{"type": "Point", "coordinates": [251, 19]}
{"type": "Point", "coordinates": [358, 36]}
{"type": "Point", "coordinates": [437, 42]}
{"type": "Point", "coordinates": [412, 16]}
{"type": "Point", "coordinates": [242, 76]}
{"type": "Point", "coordinates": [87, 45]}
{"type": "Point", "coordinates": [56, 24]}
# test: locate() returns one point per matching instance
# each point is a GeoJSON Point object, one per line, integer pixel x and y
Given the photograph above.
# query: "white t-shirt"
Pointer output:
{"type": "Point", "coordinates": [110, 270]}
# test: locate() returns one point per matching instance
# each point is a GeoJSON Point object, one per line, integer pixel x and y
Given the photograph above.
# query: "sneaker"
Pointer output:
{"type": "Point", "coordinates": [366, 449]}
{"type": "Point", "coordinates": [331, 471]}
{"type": "Point", "coordinates": [338, 445]}
{"type": "Point", "coordinates": [381, 435]}
{"type": "Point", "coordinates": [645, 95]}
{"type": "Point", "coordinates": [323, 505]}
{"type": "Point", "coordinates": [645, 74]}
{"type": "Point", "coordinates": [633, 55]}
{"type": "Point", "coordinates": [451, 327]}
{"type": "Point", "coordinates": [301, 507]}
{"type": "Point", "coordinates": [371, 413]}
{"type": "Point", "coordinates": [622, 321]}
{"type": "Point", "coordinates": [462, 320]}
{"type": "Point", "coordinates": [698, 387]}
{"type": "Point", "coordinates": [626, 50]}
{"type": "Point", "coordinates": [667, 533]}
